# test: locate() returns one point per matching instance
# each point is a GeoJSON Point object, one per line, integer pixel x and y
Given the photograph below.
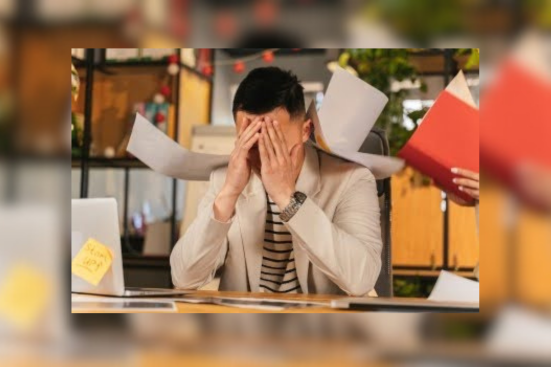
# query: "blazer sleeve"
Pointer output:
{"type": "Point", "coordinates": [348, 248]}
{"type": "Point", "coordinates": [202, 250]}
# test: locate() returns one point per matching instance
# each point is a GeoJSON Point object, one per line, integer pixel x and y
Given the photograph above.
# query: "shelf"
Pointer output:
{"type": "Point", "coordinates": [78, 63]}
{"type": "Point", "coordinates": [429, 273]}
{"type": "Point", "coordinates": [98, 162]}
{"type": "Point", "coordinates": [118, 67]}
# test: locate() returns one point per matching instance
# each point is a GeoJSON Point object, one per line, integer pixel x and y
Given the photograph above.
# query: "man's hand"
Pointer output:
{"type": "Point", "coordinates": [468, 182]}
{"type": "Point", "coordinates": [239, 170]}
{"type": "Point", "coordinates": [279, 166]}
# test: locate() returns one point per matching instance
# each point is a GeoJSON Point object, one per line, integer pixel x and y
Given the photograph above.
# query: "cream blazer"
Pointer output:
{"type": "Point", "coordinates": [336, 233]}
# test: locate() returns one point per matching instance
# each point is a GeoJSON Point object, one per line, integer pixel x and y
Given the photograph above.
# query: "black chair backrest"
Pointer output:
{"type": "Point", "coordinates": [377, 143]}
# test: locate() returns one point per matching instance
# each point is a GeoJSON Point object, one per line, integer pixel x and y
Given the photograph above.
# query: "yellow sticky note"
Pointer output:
{"type": "Point", "coordinates": [92, 261]}
{"type": "Point", "coordinates": [24, 294]}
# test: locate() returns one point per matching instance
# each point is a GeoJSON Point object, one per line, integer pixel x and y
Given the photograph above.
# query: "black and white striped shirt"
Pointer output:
{"type": "Point", "coordinates": [278, 273]}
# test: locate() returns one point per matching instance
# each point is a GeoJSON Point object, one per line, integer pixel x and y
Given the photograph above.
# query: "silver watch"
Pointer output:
{"type": "Point", "coordinates": [290, 210]}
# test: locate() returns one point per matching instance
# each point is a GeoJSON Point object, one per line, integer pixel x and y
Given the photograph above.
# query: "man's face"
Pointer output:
{"type": "Point", "coordinates": [295, 132]}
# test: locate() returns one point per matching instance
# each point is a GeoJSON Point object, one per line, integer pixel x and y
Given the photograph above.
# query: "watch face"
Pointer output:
{"type": "Point", "coordinates": [300, 196]}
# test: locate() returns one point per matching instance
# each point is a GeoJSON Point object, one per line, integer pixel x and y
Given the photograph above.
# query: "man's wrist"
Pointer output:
{"type": "Point", "coordinates": [293, 207]}
{"type": "Point", "coordinates": [224, 205]}
{"type": "Point", "coordinates": [284, 199]}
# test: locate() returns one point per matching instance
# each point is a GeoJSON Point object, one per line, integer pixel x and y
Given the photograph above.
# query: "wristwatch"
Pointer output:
{"type": "Point", "coordinates": [290, 210]}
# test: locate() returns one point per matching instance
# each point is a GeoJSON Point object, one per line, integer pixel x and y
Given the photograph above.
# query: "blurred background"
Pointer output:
{"type": "Point", "coordinates": [36, 150]}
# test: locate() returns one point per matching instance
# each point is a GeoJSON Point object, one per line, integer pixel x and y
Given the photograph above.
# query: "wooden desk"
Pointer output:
{"type": "Point", "coordinates": [183, 307]}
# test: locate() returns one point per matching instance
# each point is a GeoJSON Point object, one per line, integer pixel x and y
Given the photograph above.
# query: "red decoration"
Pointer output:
{"type": "Point", "coordinates": [172, 59]}
{"type": "Point", "coordinates": [207, 70]}
{"type": "Point", "coordinates": [225, 24]}
{"type": "Point", "coordinates": [165, 91]}
{"type": "Point", "coordinates": [266, 11]}
{"type": "Point", "coordinates": [239, 67]}
{"type": "Point", "coordinates": [268, 56]}
{"type": "Point", "coordinates": [159, 117]}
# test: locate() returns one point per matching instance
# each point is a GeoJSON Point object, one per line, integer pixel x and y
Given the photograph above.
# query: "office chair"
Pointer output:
{"type": "Point", "coordinates": [377, 143]}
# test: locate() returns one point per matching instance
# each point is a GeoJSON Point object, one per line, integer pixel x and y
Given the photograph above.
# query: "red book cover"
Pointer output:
{"type": "Point", "coordinates": [516, 126]}
{"type": "Point", "coordinates": [447, 137]}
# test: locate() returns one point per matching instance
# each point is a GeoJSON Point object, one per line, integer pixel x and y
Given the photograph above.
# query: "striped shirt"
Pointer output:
{"type": "Point", "coordinates": [278, 273]}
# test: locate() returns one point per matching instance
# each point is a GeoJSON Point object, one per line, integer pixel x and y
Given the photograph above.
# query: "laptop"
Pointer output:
{"type": "Point", "coordinates": [98, 219]}
{"type": "Point", "coordinates": [402, 305]}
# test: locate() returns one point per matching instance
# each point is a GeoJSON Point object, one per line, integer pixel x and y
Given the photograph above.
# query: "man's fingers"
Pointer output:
{"type": "Point", "coordinates": [264, 159]}
{"type": "Point", "coordinates": [465, 182]}
{"type": "Point", "coordinates": [244, 125]}
{"type": "Point", "coordinates": [246, 145]}
{"type": "Point", "coordinates": [279, 132]}
{"type": "Point", "coordinates": [466, 173]}
{"type": "Point", "coordinates": [276, 143]}
{"type": "Point", "coordinates": [474, 193]}
{"type": "Point", "coordinates": [249, 143]}
{"type": "Point", "coordinates": [253, 128]}
{"type": "Point", "coordinates": [268, 143]}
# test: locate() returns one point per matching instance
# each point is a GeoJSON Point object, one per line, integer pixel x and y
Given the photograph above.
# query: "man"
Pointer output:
{"type": "Point", "coordinates": [282, 217]}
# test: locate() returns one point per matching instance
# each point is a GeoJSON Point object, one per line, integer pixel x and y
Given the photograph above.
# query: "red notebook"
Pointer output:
{"type": "Point", "coordinates": [447, 137]}
{"type": "Point", "coordinates": [516, 124]}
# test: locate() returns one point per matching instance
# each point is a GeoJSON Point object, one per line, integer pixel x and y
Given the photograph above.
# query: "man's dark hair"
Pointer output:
{"type": "Point", "coordinates": [265, 89]}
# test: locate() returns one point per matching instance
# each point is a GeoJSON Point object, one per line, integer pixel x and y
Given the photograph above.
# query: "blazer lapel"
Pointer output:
{"type": "Point", "coordinates": [309, 183]}
{"type": "Point", "coordinates": [251, 210]}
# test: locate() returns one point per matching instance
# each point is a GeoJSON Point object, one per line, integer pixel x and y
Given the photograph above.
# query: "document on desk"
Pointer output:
{"type": "Point", "coordinates": [92, 303]}
{"type": "Point", "coordinates": [163, 155]}
{"type": "Point", "coordinates": [122, 305]}
{"type": "Point", "coordinates": [453, 288]}
{"type": "Point", "coordinates": [514, 321]}
{"type": "Point", "coordinates": [265, 304]}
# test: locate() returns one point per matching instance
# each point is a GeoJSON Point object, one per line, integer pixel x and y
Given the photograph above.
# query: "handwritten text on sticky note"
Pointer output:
{"type": "Point", "coordinates": [92, 262]}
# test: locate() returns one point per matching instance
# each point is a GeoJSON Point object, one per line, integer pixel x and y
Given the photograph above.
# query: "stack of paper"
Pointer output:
{"type": "Point", "coordinates": [447, 137]}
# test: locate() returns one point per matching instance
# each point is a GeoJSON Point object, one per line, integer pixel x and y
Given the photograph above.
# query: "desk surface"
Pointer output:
{"type": "Point", "coordinates": [183, 307]}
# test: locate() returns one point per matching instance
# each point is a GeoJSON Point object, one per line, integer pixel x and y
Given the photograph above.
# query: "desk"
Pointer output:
{"type": "Point", "coordinates": [182, 307]}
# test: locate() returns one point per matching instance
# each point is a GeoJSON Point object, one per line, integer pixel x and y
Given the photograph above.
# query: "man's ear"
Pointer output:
{"type": "Point", "coordinates": [306, 130]}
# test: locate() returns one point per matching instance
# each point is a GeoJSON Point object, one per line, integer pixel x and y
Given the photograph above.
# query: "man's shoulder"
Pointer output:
{"type": "Point", "coordinates": [335, 168]}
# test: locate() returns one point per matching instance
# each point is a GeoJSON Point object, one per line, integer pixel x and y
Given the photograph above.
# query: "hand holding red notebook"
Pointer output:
{"type": "Point", "coordinates": [448, 137]}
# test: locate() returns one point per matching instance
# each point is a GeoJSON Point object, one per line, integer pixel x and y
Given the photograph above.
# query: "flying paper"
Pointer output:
{"type": "Point", "coordinates": [349, 110]}
{"type": "Point", "coordinates": [447, 137]}
{"type": "Point", "coordinates": [163, 155]}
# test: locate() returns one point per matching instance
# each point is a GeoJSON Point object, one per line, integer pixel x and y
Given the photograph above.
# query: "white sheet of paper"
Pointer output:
{"type": "Point", "coordinates": [520, 331]}
{"type": "Point", "coordinates": [381, 166]}
{"type": "Point", "coordinates": [453, 288]}
{"type": "Point", "coordinates": [460, 89]}
{"type": "Point", "coordinates": [165, 156]}
{"type": "Point", "coordinates": [349, 110]}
